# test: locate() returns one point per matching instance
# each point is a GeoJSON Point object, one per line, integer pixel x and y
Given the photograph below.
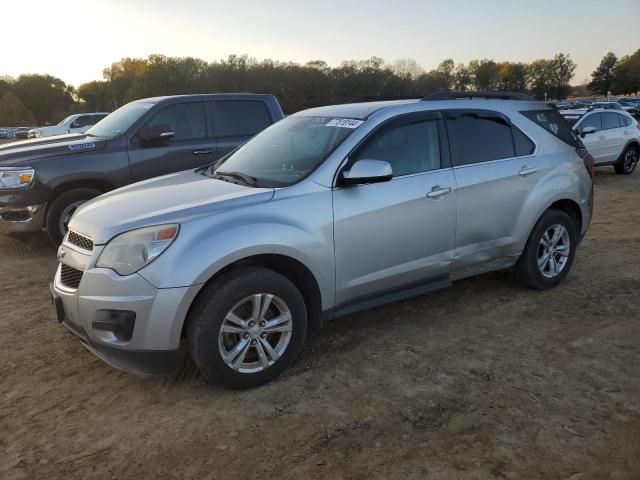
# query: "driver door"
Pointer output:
{"type": "Point", "coordinates": [397, 235]}
{"type": "Point", "coordinates": [191, 146]}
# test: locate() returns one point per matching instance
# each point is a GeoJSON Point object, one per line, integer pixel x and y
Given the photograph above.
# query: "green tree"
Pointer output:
{"type": "Point", "coordinates": [13, 112]}
{"type": "Point", "coordinates": [602, 77]}
{"type": "Point", "coordinates": [485, 74]}
{"type": "Point", "coordinates": [46, 96]}
{"type": "Point", "coordinates": [627, 74]}
{"type": "Point", "coordinates": [512, 77]}
{"type": "Point", "coordinates": [96, 96]}
{"type": "Point", "coordinates": [562, 71]}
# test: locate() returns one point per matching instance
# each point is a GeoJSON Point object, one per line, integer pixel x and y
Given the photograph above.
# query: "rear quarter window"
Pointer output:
{"type": "Point", "coordinates": [554, 123]}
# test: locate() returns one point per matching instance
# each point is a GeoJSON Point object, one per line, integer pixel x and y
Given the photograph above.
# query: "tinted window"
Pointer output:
{"type": "Point", "coordinates": [593, 120]}
{"type": "Point", "coordinates": [82, 121]}
{"type": "Point", "coordinates": [239, 117]}
{"type": "Point", "coordinates": [479, 138]}
{"type": "Point", "coordinates": [625, 121]}
{"type": "Point", "coordinates": [610, 120]}
{"type": "Point", "coordinates": [186, 120]}
{"type": "Point", "coordinates": [523, 144]}
{"type": "Point", "coordinates": [554, 123]}
{"type": "Point", "coordinates": [120, 120]}
{"type": "Point", "coordinates": [409, 148]}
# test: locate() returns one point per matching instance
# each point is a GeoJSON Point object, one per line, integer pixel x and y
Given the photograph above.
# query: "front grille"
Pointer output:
{"type": "Point", "coordinates": [69, 276]}
{"type": "Point", "coordinates": [80, 240]}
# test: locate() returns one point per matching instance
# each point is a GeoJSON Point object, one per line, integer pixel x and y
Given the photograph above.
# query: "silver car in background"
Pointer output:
{"type": "Point", "coordinates": [330, 211]}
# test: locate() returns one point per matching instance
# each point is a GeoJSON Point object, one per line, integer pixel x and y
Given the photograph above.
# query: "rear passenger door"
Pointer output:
{"type": "Point", "coordinates": [192, 145]}
{"type": "Point", "coordinates": [615, 139]}
{"type": "Point", "coordinates": [495, 170]}
{"type": "Point", "coordinates": [236, 121]}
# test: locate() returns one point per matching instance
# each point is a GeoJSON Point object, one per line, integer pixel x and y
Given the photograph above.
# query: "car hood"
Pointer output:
{"type": "Point", "coordinates": [174, 198]}
{"type": "Point", "coordinates": [23, 152]}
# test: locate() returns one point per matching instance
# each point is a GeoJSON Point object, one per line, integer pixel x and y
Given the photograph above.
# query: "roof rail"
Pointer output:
{"type": "Point", "coordinates": [474, 95]}
{"type": "Point", "coordinates": [382, 98]}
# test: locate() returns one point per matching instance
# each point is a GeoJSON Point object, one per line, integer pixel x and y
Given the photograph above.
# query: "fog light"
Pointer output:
{"type": "Point", "coordinates": [118, 322]}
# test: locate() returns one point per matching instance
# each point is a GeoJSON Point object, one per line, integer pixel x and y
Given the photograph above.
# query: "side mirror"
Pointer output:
{"type": "Point", "coordinates": [156, 133]}
{"type": "Point", "coordinates": [367, 171]}
{"type": "Point", "coordinates": [587, 131]}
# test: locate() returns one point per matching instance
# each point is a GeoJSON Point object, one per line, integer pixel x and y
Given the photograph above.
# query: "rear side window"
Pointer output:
{"type": "Point", "coordinates": [233, 118]}
{"type": "Point", "coordinates": [479, 138]}
{"type": "Point", "coordinates": [625, 121]}
{"type": "Point", "coordinates": [610, 120]}
{"type": "Point", "coordinates": [554, 123]}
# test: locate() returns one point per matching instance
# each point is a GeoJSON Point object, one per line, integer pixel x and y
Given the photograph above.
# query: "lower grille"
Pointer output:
{"type": "Point", "coordinates": [69, 276]}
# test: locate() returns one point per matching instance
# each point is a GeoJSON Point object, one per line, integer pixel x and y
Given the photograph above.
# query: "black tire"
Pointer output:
{"type": "Point", "coordinates": [60, 205]}
{"type": "Point", "coordinates": [526, 270]}
{"type": "Point", "coordinates": [218, 299]}
{"type": "Point", "coordinates": [628, 161]}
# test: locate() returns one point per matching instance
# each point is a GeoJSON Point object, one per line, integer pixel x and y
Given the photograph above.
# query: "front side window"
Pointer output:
{"type": "Point", "coordinates": [186, 120]}
{"type": "Point", "coordinates": [477, 138]}
{"type": "Point", "coordinates": [288, 151]}
{"type": "Point", "coordinates": [239, 118]}
{"type": "Point", "coordinates": [610, 120]}
{"type": "Point", "coordinates": [409, 148]}
{"type": "Point", "coordinates": [593, 120]}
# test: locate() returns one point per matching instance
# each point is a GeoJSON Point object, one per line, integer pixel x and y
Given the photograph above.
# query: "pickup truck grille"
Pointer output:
{"type": "Point", "coordinates": [80, 241]}
{"type": "Point", "coordinates": [70, 277]}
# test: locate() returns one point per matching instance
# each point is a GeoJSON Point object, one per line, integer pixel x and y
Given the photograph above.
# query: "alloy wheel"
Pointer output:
{"type": "Point", "coordinates": [630, 160]}
{"type": "Point", "coordinates": [553, 251]}
{"type": "Point", "coordinates": [255, 333]}
{"type": "Point", "coordinates": [67, 213]}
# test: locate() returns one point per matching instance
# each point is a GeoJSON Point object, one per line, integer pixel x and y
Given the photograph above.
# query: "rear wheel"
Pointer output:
{"type": "Point", "coordinates": [628, 161]}
{"type": "Point", "coordinates": [247, 328]}
{"type": "Point", "coordinates": [62, 209]}
{"type": "Point", "coordinates": [549, 253]}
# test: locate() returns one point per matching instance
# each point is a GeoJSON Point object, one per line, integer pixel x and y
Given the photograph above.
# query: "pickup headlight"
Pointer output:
{"type": "Point", "coordinates": [130, 251]}
{"type": "Point", "coordinates": [16, 177]}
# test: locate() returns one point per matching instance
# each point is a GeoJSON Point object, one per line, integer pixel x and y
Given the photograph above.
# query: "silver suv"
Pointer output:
{"type": "Point", "coordinates": [330, 211]}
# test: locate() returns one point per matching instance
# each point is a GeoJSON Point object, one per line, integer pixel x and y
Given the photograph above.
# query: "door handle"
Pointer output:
{"type": "Point", "coordinates": [527, 171]}
{"type": "Point", "coordinates": [627, 132]}
{"type": "Point", "coordinates": [602, 137]}
{"type": "Point", "coordinates": [438, 191]}
{"type": "Point", "coordinates": [202, 152]}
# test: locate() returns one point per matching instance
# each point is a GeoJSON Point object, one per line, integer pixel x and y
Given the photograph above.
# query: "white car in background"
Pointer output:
{"type": "Point", "coordinates": [78, 123]}
{"type": "Point", "coordinates": [612, 137]}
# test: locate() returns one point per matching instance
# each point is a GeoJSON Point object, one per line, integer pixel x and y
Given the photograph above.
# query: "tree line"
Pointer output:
{"type": "Point", "coordinates": [619, 76]}
{"type": "Point", "coordinates": [41, 99]}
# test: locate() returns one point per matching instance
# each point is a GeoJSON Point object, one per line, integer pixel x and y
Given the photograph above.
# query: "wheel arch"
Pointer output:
{"type": "Point", "coordinates": [292, 269]}
{"type": "Point", "coordinates": [97, 184]}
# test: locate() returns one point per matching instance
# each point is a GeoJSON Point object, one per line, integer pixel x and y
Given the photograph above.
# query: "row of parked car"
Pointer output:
{"type": "Point", "coordinates": [243, 230]}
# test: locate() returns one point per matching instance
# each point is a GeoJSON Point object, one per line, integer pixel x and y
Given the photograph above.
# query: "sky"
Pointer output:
{"type": "Point", "coordinates": [75, 40]}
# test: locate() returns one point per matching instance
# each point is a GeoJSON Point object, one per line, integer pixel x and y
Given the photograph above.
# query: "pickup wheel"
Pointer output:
{"type": "Point", "coordinates": [548, 255]}
{"type": "Point", "coordinates": [62, 209]}
{"type": "Point", "coordinates": [628, 161]}
{"type": "Point", "coordinates": [247, 327]}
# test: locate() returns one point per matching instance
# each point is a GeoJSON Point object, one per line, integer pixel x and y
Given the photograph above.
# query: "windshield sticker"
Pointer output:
{"type": "Point", "coordinates": [344, 123]}
{"type": "Point", "coordinates": [542, 118]}
{"type": "Point", "coordinates": [554, 128]}
{"type": "Point", "coordinates": [82, 146]}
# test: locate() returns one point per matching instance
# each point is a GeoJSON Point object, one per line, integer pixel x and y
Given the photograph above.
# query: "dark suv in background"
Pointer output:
{"type": "Point", "coordinates": [43, 181]}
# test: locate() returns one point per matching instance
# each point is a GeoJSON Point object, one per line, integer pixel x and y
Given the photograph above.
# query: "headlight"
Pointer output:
{"type": "Point", "coordinates": [130, 251]}
{"type": "Point", "coordinates": [16, 177]}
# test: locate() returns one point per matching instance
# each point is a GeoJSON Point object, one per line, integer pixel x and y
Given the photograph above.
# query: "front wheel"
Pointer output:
{"type": "Point", "coordinates": [549, 253]}
{"type": "Point", "coordinates": [247, 327]}
{"type": "Point", "coordinates": [627, 162]}
{"type": "Point", "coordinates": [62, 209]}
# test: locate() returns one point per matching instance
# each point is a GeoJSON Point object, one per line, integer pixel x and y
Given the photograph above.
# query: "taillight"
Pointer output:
{"type": "Point", "coordinates": [586, 158]}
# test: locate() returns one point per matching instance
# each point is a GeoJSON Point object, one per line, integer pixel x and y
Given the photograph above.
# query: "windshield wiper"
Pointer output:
{"type": "Point", "coordinates": [247, 179]}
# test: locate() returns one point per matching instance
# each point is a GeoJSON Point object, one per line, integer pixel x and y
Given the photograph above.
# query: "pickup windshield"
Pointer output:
{"type": "Point", "coordinates": [119, 121]}
{"type": "Point", "coordinates": [286, 152]}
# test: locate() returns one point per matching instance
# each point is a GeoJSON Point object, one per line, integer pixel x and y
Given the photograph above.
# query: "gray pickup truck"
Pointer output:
{"type": "Point", "coordinates": [43, 181]}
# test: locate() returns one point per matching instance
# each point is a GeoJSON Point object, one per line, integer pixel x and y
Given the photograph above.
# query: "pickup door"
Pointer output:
{"type": "Point", "coordinates": [192, 145]}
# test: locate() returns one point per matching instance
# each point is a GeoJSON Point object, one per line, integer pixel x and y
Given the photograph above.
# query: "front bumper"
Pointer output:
{"type": "Point", "coordinates": [22, 219]}
{"type": "Point", "coordinates": [153, 347]}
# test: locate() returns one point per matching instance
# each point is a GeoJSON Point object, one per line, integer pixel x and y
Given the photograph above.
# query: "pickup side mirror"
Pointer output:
{"type": "Point", "coordinates": [156, 133]}
{"type": "Point", "coordinates": [367, 171]}
{"type": "Point", "coordinates": [586, 131]}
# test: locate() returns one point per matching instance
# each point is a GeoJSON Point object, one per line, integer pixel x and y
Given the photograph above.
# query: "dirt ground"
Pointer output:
{"type": "Point", "coordinates": [485, 380]}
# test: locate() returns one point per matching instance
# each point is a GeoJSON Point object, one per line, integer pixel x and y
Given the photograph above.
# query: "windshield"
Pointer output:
{"type": "Point", "coordinates": [287, 152]}
{"type": "Point", "coordinates": [68, 119]}
{"type": "Point", "coordinates": [119, 121]}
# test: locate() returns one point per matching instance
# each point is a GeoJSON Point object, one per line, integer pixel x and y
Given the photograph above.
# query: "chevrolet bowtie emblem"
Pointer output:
{"type": "Point", "coordinates": [61, 253]}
